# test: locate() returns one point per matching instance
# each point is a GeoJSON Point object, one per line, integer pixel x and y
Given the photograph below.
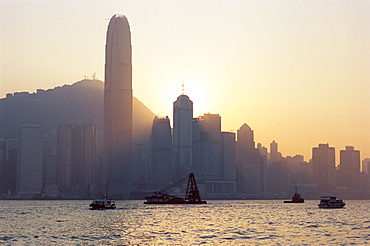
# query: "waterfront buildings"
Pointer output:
{"type": "Point", "coordinates": [118, 107]}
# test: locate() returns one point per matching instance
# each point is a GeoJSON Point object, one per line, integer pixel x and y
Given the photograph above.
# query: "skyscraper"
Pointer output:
{"type": "Point", "coordinates": [349, 167]}
{"type": "Point", "coordinates": [161, 152]}
{"type": "Point", "coordinates": [323, 163]}
{"type": "Point", "coordinates": [118, 106]}
{"type": "Point", "coordinates": [29, 161]}
{"type": "Point", "coordinates": [182, 136]}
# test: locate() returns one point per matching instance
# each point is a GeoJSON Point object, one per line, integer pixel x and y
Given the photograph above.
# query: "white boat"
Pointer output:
{"type": "Point", "coordinates": [103, 203]}
{"type": "Point", "coordinates": [331, 202]}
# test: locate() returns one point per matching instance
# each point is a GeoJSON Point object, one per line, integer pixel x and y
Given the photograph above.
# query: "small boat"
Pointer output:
{"type": "Point", "coordinates": [331, 202]}
{"type": "Point", "coordinates": [296, 198]}
{"type": "Point", "coordinates": [103, 203]}
{"type": "Point", "coordinates": [192, 195]}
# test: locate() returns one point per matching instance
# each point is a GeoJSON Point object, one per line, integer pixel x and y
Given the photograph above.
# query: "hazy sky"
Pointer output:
{"type": "Point", "coordinates": [297, 72]}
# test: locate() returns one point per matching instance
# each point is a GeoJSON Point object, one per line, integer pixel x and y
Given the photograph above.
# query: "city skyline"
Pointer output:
{"type": "Point", "coordinates": [296, 73]}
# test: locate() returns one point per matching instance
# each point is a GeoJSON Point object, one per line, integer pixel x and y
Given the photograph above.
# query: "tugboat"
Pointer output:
{"type": "Point", "coordinates": [296, 198]}
{"type": "Point", "coordinates": [192, 195]}
{"type": "Point", "coordinates": [331, 202]}
{"type": "Point", "coordinates": [102, 203]}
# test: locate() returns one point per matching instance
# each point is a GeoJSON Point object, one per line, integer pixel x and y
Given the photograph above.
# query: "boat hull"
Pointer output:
{"type": "Point", "coordinates": [294, 201]}
{"type": "Point", "coordinates": [171, 202]}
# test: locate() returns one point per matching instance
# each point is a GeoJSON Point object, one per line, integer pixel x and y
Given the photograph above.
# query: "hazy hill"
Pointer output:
{"type": "Point", "coordinates": [79, 103]}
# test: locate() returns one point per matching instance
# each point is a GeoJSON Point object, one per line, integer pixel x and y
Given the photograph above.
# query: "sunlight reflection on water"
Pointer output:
{"type": "Point", "coordinates": [218, 222]}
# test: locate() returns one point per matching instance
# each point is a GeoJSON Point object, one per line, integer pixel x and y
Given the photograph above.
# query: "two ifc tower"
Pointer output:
{"type": "Point", "coordinates": [118, 107]}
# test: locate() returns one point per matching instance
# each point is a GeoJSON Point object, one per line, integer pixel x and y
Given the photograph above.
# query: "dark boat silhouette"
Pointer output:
{"type": "Point", "coordinates": [192, 195]}
{"type": "Point", "coordinates": [296, 198]}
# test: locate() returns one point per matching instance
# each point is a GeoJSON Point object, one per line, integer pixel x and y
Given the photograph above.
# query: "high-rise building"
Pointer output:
{"type": "Point", "coordinates": [366, 165]}
{"type": "Point", "coordinates": [323, 164]}
{"type": "Point", "coordinates": [118, 107]}
{"type": "Point", "coordinates": [182, 136]}
{"type": "Point", "coordinates": [251, 165]}
{"type": "Point", "coordinates": [8, 167]}
{"type": "Point", "coordinates": [29, 161]}
{"type": "Point", "coordinates": [161, 152]}
{"type": "Point", "coordinates": [76, 155]}
{"type": "Point", "coordinates": [349, 167]}
{"type": "Point", "coordinates": [274, 153]}
{"type": "Point", "coordinates": [214, 156]}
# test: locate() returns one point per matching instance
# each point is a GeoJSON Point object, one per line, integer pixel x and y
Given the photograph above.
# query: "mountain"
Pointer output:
{"type": "Point", "coordinates": [81, 102]}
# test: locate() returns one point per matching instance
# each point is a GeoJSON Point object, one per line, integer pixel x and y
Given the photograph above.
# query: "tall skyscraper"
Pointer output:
{"type": "Point", "coordinates": [182, 136]}
{"type": "Point", "coordinates": [118, 106]}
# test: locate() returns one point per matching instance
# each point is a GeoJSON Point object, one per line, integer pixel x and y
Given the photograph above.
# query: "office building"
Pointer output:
{"type": "Point", "coordinates": [349, 167]}
{"type": "Point", "coordinates": [29, 161]}
{"type": "Point", "coordinates": [251, 165]}
{"type": "Point", "coordinates": [160, 172]}
{"type": "Point", "coordinates": [323, 164]}
{"type": "Point", "coordinates": [76, 156]}
{"type": "Point", "coordinates": [182, 137]}
{"type": "Point", "coordinates": [118, 107]}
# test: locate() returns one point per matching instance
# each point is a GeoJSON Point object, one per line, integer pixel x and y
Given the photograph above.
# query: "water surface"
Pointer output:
{"type": "Point", "coordinates": [218, 223]}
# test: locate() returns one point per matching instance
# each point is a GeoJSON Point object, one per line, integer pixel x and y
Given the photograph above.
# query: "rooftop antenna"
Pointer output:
{"type": "Point", "coordinates": [183, 86]}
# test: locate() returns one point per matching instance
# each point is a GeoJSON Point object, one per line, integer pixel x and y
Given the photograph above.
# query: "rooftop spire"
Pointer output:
{"type": "Point", "coordinates": [183, 87]}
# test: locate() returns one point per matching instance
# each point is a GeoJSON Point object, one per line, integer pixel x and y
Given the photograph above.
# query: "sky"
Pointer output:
{"type": "Point", "coordinates": [297, 72]}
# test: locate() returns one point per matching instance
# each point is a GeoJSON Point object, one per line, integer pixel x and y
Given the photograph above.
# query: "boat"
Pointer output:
{"type": "Point", "coordinates": [331, 202]}
{"type": "Point", "coordinates": [296, 198]}
{"type": "Point", "coordinates": [102, 203]}
{"type": "Point", "coordinates": [192, 195]}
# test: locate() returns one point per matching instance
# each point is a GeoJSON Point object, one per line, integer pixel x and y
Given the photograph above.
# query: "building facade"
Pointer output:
{"type": "Point", "coordinates": [182, 137]}
{"type": "Point", "coordinates": [323, 165]}
{"type": "Point", "coordinates": [160, 172]}
{"type": "Point", "coordinates": [29, 161]}
{"type": "Point", "coordinates": [349, 167]}
{"type": "Point", "coordinates": [118, 107]}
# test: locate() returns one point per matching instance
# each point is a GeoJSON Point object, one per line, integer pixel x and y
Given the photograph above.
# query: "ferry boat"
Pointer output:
{"type": "Point", "coordinates": [192, 195]}
{"type": "Point", "coordinates": [296, 198]}
{"type": "Point", "coordinates": [102, 203]}
{"type": "Point", "coordinates": [331, 202]}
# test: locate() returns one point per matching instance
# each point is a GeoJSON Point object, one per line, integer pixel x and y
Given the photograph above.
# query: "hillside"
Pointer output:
{"type": "Point", "coordinates": [81, 102]}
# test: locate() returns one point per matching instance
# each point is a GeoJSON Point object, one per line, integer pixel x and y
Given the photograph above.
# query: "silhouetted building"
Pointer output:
{"type": "Point", "coordinates": [366, 165]}
{"type": "Point", "coordinates": [349, 167]}
{"type": "Point", "coordinates": [76, 156]}
{"type": "Point", "coordinates": [118, 107]}
{"type": "Point", "coordinates": [323, 164]}
{"type": "Point", "coordinates": [8, 167]}
{"type": "Point", "coordinates": [182, 136]}
{"type": "Point", "coordinates": [161, 152]}
{"type": "Point", "coordinates": [251, 165]}
{"type": "Point", "coordinates": [274, 153]}
{"type": "Point", "coordinates": [229, 156]}
{"type": "Point", "coordinates": [207, 147]}
{"type": "Point", "coordinates": [29, 161]}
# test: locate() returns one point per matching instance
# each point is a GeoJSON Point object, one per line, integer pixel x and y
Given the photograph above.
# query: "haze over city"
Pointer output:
{"type": "Point", "coordinates": [295, 72]}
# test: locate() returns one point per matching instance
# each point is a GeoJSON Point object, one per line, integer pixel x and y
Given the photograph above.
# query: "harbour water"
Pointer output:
{"type": "Point", "coordinates": [246, 222]}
